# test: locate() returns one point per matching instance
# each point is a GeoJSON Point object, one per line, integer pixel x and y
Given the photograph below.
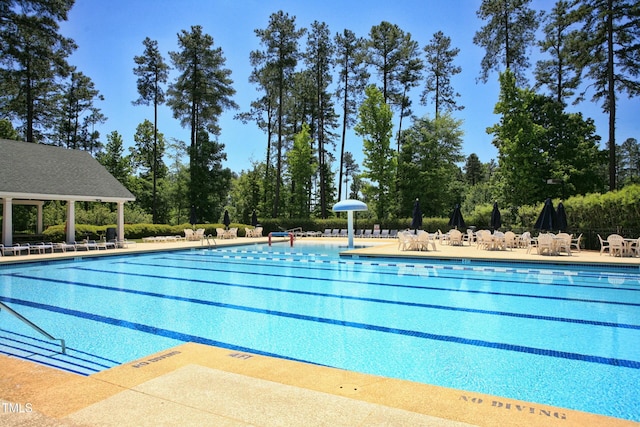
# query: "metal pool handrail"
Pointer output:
{"type": "Point", "coordinates": [34, 326]}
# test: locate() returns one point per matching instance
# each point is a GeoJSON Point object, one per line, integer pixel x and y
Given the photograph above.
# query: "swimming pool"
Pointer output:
{"type": "Point", "coordinates": [564, 337]}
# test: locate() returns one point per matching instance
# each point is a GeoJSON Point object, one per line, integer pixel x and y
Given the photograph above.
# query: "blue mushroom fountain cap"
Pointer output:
{"type": "Point", "coordinates": [350, 205]}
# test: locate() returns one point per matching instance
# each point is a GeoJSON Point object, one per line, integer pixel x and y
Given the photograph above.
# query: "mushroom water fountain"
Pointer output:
{"type": "Point", "coordinates": [349, 206]}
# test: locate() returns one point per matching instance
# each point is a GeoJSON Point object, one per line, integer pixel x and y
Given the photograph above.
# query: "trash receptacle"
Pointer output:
{"type": "Point", "coordinates": [111, 234]}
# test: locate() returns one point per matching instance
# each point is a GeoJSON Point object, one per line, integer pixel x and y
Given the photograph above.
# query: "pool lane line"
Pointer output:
{"type": "Point", "coordinates": [427, 268]}
{"type": "Point", "coordinates": [359, 282]}
{"type": "Point", "coordinates": [95, 356]}
{"type": "Point", "coordinates": [551, 270]}
{"type": "Point", "coordinates": [166, 333]}
{"type": "Point", "coordinates": [32, 358]}
{"type": "Point", "coordinates": [326, 295]}
{"type": "Point", "coordinates": [357, 325]}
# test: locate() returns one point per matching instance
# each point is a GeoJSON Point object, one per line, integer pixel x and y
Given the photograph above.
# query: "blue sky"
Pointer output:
{"type": "Point", "coordinates": [110, 33]}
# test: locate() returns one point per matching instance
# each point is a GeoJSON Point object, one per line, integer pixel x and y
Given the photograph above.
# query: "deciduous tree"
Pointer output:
{"type": "Point", "coordinates": [380, 160]}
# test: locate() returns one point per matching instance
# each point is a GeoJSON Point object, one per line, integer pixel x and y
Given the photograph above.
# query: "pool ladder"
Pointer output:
{"type": "Point", "coordinates": [33, 326]}
{"type": "Point", "coordinates": [207, 237]}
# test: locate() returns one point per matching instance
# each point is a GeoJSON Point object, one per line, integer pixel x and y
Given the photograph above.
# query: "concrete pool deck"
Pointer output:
{"type": "Point", "coordinates": [194, 384]}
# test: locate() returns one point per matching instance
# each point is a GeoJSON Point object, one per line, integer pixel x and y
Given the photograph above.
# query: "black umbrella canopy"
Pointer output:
{"type": "Point", "coordinates": [456, 219]}
{"type": "Point", "coordinates": [561, 217]}
{"type": "Point", "coordinates": [547, 219]}
{"type": "Point", "coordinates": [496, 218]}
{"type": "Point", "coordinates": [226, 221]}
{"type": "Point", "coordinates": [193, 217]}
{"type": "Point", "coordinates": [254, 218]}
{"type": "Point", "coordinates": [416, 222]}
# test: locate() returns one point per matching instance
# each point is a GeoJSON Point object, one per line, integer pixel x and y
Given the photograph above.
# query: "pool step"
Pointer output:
{"type": "Point", "coordinates": [48, 353]}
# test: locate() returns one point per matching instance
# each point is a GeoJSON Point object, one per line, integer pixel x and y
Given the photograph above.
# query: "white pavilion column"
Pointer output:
{"type": "Point", "coordinates": [7, 222]}
{"type": "Point", "coordinates": [39, 221]}
{"type": "Point", "coordinates": [120, 224]}
{"type": "Point", "coordinates": [71, 221]}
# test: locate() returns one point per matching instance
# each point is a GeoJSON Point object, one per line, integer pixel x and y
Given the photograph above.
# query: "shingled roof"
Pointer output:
{"type": "Point", "coordinates": [44, 172]}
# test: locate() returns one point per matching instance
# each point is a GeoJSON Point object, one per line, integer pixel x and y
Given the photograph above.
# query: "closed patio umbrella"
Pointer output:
{"type": "Point", "coordinates": [254, 218]}
{"type": "Point", "coordinates": [193, 218]}
{"type": "Point", "coordinates": [416, 222]}
{"type": "Point", "coordinates": [496, 219]}
{"type": "Point", "coordinates": [561, 218]}
{"type": "Point", "coordinates": [226, 221]}
{"type": "Point", "coordinates": [456, 219]}
{"type": "Point", "coordinates": [547, 219]}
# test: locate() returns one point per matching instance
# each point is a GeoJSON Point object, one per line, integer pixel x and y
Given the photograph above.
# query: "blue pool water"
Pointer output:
{"type": "Point", "coordinates": [566, 337]}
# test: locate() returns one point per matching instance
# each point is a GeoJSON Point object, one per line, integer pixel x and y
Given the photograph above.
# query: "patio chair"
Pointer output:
{"type": "Point", "coordinates": [616, 244]}
{"type": "Point", "coordinates": [604, 245]}
{"type": "Point", "coordinates": [470, 237]}
{"type": "Point", "coordinates": [455, 237]}
{"type": "Point", "coordinates": [563, 243]}
{"type": "Point", "coordinates": [510, 240]}
{"type": "Point", "coordinates": [575, 243]}
{"type": "Point", "coordinates": [425, 240]}
{"type": "Point", "coordinates": [546, 244]}
{"type": "Point", "coordinates": [189, 234]}
{"type": "Point", "coordinates": [221, 233]}
{"type": "Point", "coordinates": [233, 232]}
{"type": "Point", "coordinates": [406, 241]}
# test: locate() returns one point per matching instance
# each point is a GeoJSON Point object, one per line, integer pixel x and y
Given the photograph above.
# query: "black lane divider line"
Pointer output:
{"type": "Point", "coordinates": [440, 272]}
{"type": "Point", "coordinates": [325, 295]}
{"type": "Point", "coordinates": [324, 279]}
{"type": "Point", "coordinates": [424, 335]}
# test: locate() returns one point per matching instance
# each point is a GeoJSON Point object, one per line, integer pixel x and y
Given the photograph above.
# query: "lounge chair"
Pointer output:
{"type": "Point", "coordinates": [343, 232]}
{"type": "Point", "coordinates": [15, 249]}
{"type": "Point", "coordinates": [64, 246]}
{"type": "Point", "coordinates": [327, 233]}
{"type": "Point", "coordinates": [367, 233]}
{"type": "Point", "coordinates": [335, 232]}
{"type": "Point", "coordinates": [376, 233]}
{"type": "Point", "coordinates": [384, 233]}
{"type": "Point", "coordinates": [393, 234]}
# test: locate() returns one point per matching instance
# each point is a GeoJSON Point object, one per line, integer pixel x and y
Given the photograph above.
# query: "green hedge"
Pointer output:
{"type": "Point", "coordinates": [592, 214]}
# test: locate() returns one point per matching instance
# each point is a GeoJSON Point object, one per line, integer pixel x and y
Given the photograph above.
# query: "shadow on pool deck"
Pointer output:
{"type": "Point", "coordinates": [198, 385]}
